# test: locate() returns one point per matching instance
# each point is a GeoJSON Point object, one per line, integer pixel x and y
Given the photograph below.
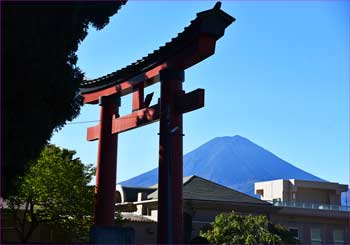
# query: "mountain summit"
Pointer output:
{"type": "Point", "coordinates": [235, 162]}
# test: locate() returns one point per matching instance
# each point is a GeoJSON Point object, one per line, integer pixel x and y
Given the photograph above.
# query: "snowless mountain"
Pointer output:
{"type": "Point", "coordinates": [235, 162]}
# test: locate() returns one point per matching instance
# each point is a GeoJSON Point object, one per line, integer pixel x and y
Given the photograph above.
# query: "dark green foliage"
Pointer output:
{"type": "Point", "coordinates": [54, 192]}
{"type": "Point", "coordinates": [283, 233]}
{"type": "Point", "coordinates": [231, 228]}
{"type": "Point", "coordinates": [40, 78]}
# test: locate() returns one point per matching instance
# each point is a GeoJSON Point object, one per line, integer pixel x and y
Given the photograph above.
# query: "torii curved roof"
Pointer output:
{"type": "Point", "coordinates": [211, 22]}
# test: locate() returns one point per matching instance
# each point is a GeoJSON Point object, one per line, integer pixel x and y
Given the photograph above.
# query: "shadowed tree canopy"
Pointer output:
{"type": "Point", "coordinates": [40, 79]}
{"type": "Point", "coordinates": [54, 191]}
{"type": "Point", "coordinates": [232, 228]}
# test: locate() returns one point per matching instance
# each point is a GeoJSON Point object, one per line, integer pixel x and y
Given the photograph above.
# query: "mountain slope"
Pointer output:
{"type": "Point", "coordinates": [235, 162]}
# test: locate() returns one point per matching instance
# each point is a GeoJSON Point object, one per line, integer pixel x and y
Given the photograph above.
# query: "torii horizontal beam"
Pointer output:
{"type": "Point", "coordinates": [185, 103]}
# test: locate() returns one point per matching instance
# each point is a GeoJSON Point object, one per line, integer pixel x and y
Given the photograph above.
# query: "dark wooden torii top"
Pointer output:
{"type": "Point", "coordinates": [194, 44]}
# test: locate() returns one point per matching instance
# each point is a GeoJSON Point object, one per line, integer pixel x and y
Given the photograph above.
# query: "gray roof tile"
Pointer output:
{"type": "Point", "coordinates": [197, 188]}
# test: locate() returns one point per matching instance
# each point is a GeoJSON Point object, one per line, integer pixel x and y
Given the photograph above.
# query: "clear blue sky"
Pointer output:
{"type": "Point", "coordinates": [279, 77]}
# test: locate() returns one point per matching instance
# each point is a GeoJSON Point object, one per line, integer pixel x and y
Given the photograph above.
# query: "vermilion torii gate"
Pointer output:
{"type": "Point", "coordinates": [165, 65]}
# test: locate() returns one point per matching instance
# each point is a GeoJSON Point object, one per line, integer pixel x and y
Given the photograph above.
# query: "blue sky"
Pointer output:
{"type": "Point", "coordinates": [279, 77]}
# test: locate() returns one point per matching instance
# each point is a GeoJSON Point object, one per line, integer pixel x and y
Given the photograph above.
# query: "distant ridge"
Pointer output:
{"type": "Point", "coordinates": [235, 162]}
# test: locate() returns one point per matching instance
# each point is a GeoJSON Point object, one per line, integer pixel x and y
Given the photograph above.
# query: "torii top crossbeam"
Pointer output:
{"type": "Point", "coordinates": [194, 44]}
{"type": "Point", "coordinates": [165, 65]}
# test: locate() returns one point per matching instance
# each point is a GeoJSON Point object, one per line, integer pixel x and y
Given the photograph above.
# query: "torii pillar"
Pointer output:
{"type": "Point", "coordinates": [106, 162]}
{"type": "Point", "coordinates": [170, 198]}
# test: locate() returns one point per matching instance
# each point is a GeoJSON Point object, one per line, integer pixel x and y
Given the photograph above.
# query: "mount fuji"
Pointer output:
{"type": "Point", "coordinates": [235, 162]}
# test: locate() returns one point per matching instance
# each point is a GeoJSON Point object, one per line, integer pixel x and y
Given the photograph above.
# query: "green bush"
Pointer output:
{"type": "Point", "coordinates": [232, 228]}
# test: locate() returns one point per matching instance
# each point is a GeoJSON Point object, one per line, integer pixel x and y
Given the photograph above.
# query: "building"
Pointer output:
{"type": "Point", "coordinates": [311, 209]}
{"type": "Point", "coordinates": [204, 199]}
{"type": "Point", "coordinates": [44, 233]}
{"type": "Point", "coordinates": [301, 191]}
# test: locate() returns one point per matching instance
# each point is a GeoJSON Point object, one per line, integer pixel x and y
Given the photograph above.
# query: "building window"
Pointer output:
{"type": "Point", "coordinates": [144, 210]}
{"type": "Point", "coordinates": [260, 192]}
{"type": "Point", "coordinates": [338, 237]}
{"type": "Point", "coordinates": [294, 232]}
{"type": "Point", "coordinates": [316, 236]}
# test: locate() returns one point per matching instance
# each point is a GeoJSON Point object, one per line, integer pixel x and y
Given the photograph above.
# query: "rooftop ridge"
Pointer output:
{"type": "Point", "coordinates": [230, 189]}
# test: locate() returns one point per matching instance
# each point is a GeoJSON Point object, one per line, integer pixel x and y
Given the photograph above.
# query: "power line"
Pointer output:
{"type": "Point", "coordinates": [83, 122]}
{"type": "Point", "coordinates": [120, 118]}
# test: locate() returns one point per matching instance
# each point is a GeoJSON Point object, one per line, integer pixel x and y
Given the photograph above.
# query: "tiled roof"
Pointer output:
{"type": "Point", "coordinates": [197, 188]}
{"type": "Point", "coordinates": [184, 180]}
{"type": "Point", "coordinates": [203, 23]}
{"type": "Point", "coordinates": [135, 217]}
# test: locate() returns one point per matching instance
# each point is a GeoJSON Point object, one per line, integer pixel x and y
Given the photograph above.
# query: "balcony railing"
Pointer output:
{"type": "Point", "coordinates": [319, 206]}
